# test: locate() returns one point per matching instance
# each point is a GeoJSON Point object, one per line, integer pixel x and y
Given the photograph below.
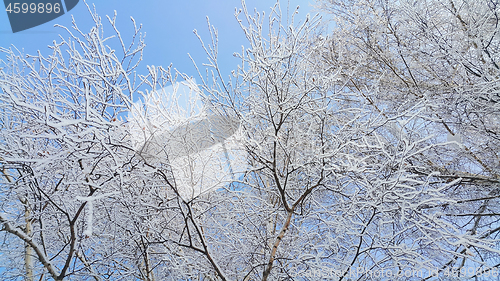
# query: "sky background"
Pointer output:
{"type": "Point", "coordinates": [168, 26]}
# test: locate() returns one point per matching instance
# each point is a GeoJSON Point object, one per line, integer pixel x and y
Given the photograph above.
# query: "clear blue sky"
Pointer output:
{"type": "Point", "coordinates": [168, 24]}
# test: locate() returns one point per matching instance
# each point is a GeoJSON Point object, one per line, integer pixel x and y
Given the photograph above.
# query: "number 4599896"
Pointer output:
{"type": "Point", "coordinates": [33, 8]}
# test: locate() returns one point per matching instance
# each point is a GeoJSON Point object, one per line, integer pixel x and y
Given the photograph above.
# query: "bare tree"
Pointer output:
{"type": "Point", "coordinates": [372, 147]}
{"type": "Point", "coordinates": [441, 55]}
{"type": "Point", "coordinates": [63, 149]}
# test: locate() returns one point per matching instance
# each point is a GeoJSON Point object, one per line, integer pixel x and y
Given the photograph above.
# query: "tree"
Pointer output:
{"type": "Point", "coordinates": [349, 175]}
{"type": "Point", "coordinates": [441, 55]}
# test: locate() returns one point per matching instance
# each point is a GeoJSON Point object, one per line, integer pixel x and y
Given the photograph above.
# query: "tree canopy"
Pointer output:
{"type": "Point", "coordinates": [368, 136]}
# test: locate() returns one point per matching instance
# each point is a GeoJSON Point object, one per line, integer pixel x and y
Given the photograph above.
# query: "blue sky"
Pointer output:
{"type": "Point", "coordinates": [168, 25]}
